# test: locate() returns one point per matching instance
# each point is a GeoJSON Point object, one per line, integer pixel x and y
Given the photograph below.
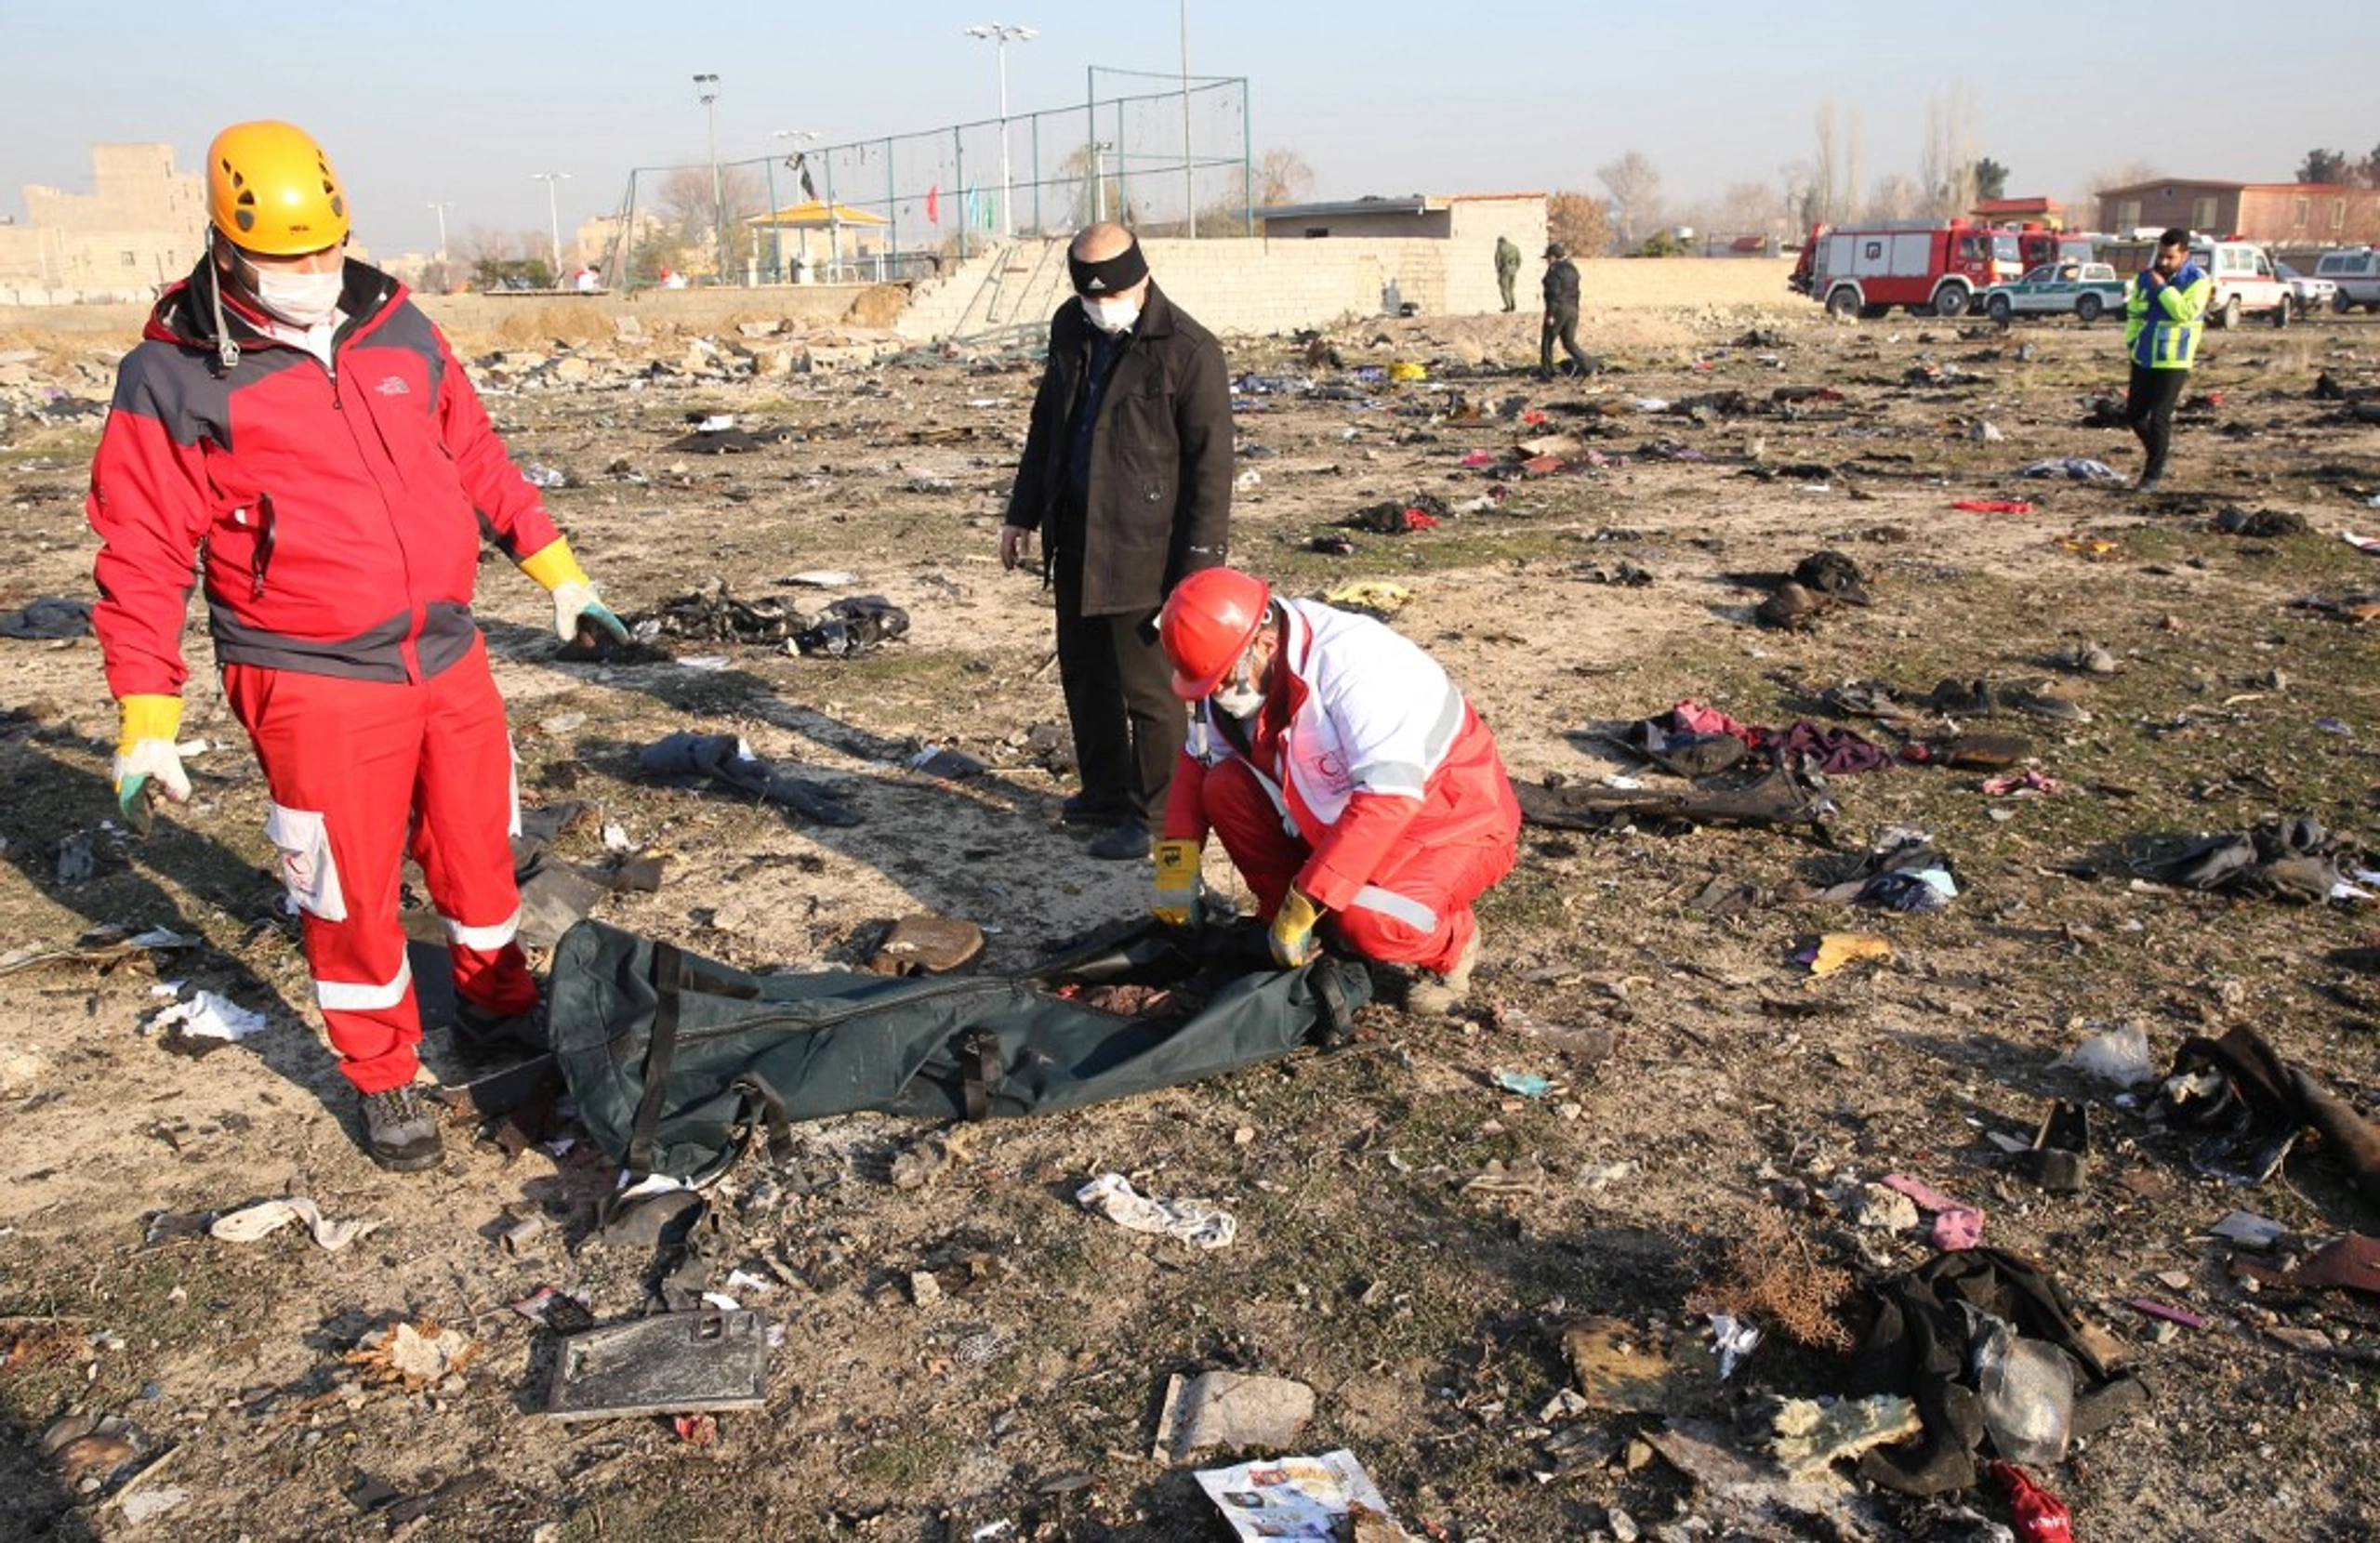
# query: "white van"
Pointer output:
{"type": "Point", "coordinates": [2357, 273]}
{"type": "Point", "coordinates": [2244, 280]}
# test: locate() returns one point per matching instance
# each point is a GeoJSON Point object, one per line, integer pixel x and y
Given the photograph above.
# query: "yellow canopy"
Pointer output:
{"type": "Point", "coordinates": [816, 215]}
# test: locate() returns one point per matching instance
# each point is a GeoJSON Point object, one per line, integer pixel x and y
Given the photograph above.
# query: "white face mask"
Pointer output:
{"type": "Point", "coordinates": [300, 299]}
{"type": "Point", "coordinates": [1239, 701]}
{"type": "Point", "coordinates": [1112, 316]}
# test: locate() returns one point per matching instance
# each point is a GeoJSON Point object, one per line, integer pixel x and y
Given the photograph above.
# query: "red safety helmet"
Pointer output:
{"type": "Point", "coordinates": [1207, 624]}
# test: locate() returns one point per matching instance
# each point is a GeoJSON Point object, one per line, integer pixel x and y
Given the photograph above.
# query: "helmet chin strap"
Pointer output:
{"type": "Point", "coordinates": [227, 350]}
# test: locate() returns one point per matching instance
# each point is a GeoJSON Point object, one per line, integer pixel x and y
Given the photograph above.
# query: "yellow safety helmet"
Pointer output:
{"type": "Point", "coordinates": [269, 189]}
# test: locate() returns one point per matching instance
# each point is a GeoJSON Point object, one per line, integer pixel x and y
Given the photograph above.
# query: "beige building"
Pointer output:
{"type": "Point", "coordinates": [1458, 273]}
{"type": "Point", "coordinates": [140, 227]}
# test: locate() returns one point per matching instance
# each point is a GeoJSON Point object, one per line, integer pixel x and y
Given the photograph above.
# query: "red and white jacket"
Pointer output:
{"type": "Point", "coordinates": [1367, 749]}
{"type": "Point", "coordinates": [338, 510]}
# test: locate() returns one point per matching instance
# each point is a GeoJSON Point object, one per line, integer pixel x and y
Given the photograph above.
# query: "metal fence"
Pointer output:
{"type": "Point", "coordinates": [1174, 161]}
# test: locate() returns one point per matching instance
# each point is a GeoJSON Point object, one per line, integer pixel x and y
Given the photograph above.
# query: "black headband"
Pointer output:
{"type": "Point", "coordinates": [1117, 274]}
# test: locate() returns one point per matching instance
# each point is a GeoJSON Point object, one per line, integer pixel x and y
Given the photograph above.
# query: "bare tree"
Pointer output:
{"type": "Point", "coordinates": [684, 199]}
{"type": "Point", "coordinates": [1581, 222]}
{"type": "Point", "coordinates": [1895, 197]}
{"type": "Point", "coordinates": [1850, 183]}
{"type": "Point", "coordinates": [2130, 173]}
{"type": "Point", "coordinates": [1748, 209]}
{"type": "Point", "coordinates": [1635, 185]}
{"type": "Point", "coordinates": [1829, 195]}
{"type": "Point", "coordinates": [479, 243]}
{"type": "Point", "coordinates": [1946, 166]}
{"type": "Point", "coordinates": [1100, 198]}
{"type": "Point", "coordinates": [1797, 195]}
{"type": "Point", "coordinates": [1282, 177]}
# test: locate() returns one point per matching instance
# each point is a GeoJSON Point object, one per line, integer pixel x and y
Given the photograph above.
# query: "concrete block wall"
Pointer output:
{"type": "Point", "coordinates": [1238, 285]}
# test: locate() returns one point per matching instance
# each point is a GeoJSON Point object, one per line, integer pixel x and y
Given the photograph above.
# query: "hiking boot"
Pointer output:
{"type": "Point", "coordinates": [1443, 994]}
{"type": "Point", "coordinates": [400, 1133]}
{"type": "Point", "coordinates": [1122, 842]}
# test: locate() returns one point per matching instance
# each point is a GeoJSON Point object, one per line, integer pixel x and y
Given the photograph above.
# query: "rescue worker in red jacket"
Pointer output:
{"type": "Point", "coordinates": [291, 414]}
{"type": "Point", "coordinates": [1350, 781]}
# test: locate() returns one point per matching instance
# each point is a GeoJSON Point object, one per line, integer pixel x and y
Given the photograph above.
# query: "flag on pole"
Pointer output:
{"type": "Point", "coordinates": [934, 204]}
{"type": "Point", "coordinates": [802, 169]}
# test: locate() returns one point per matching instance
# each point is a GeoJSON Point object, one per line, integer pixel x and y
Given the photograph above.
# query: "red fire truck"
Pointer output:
{"type": "Point", "coordinates": [1933, 268]}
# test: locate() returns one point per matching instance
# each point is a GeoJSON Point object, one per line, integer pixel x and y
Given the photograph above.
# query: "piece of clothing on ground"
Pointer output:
{"type": "Point", "coordinates": [726, 760]}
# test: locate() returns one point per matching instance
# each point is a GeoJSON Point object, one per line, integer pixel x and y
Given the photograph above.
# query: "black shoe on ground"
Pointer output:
{"type": "Point", "coordinates": [1081, 809]}
{"type": "Point", "coordinates": [1121, 843]}
{"type": "Point", "coordinates": [400, 1131]}
{"type": "Point", "coordinates": [480, 1034]}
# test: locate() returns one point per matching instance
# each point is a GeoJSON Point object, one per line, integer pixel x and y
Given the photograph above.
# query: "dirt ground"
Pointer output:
{"type": "Point", "coordinates": [975, 1355]}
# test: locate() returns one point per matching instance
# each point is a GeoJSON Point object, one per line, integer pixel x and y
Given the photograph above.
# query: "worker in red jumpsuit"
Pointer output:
{"type": "Point", "coordinates": [1352, 786]}
{"type": "Point", "coordinates": [292, 416]}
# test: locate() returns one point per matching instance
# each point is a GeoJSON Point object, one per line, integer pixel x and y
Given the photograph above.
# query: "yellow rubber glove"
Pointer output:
{"type": "Point", "coordinates": [1293, 931]}
{"type": "Point", "coordinates": [1179, 887]}
{"type": "Point", "coordinates": [574, 592]}
{"type": "Point", "coordinates": [144, 749]}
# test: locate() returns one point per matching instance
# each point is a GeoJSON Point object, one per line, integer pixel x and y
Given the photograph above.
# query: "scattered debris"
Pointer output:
{"type": "Point", "coordinates": [1809, 1436]}
{"type": "Point", "coordinates": [1328, 1497]}
{"type": "Point", "coordinates": [704, 1362]}
{"type": "Point", "coordinates": [1219, 1409]}
{"type": "Point", "coordinates": [251, 1223]}
{"type": "Point", "coordinates": [413, 1355]}
{"type": "Point", "coordinates": [1199, 1223]}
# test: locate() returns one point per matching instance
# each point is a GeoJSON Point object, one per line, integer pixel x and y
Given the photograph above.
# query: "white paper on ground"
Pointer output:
{"type": "Point", "coordinates": [208, 1016]}
{"type": "Point", "coordinates": [1199, 1223]}
{"type": "Point", "coordinates": [251, 1223]}
{"type": "Point", "coordinates": [1290, 1496]}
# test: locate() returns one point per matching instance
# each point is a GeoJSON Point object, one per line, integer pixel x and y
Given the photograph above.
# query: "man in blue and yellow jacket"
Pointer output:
{"type": "Point", "coordinates": [2162, 316]}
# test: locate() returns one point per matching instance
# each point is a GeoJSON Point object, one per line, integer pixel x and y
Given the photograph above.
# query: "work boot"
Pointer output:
{"type": "Point", "coordinates": [1122, 842]}
{"type": "Point", "coordinates": [400, 1133]}
{"type": "Point", "coordinates": [1443, 994]}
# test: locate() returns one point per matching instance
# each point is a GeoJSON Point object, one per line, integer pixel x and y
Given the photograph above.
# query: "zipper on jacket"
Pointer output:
{"type": "Point", "coordinates": [266, 524]}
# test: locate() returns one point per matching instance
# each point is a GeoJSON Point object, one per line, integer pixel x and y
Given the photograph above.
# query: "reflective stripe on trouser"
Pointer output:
{"type": "Point", "coordinates": [1415, 910]}
{"type": "Point", "coordinates": [376, 760]}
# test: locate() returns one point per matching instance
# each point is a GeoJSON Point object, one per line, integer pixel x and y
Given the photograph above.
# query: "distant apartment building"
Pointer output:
{"type": "Point", "coordinates": [2285, 214]}
{"type": "Point", "coordinates": [140, 227]}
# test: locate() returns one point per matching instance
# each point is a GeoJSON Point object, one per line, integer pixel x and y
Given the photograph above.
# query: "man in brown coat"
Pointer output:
{"type": "Point", "coordinates": [1127, 475]}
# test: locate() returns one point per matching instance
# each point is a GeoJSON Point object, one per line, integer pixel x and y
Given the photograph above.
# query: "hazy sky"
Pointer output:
{"type": "Point", "coordinates": [424, 101]}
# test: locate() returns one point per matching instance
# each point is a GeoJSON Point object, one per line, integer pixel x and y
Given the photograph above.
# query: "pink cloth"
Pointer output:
{"type": "Point", "coordinates": [1957, 1225]}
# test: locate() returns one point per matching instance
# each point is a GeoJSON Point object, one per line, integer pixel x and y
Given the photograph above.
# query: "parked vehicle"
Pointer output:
{"type": "Point", "coordinates": [2307, 293]}
{"type": "Point", "coordinates": [2240, 273]}
{"type": "Point", "coordinates": [2244, 281]}
{"type": "Point", "coordinates": [2356, 271]}
{"type": "Point", "coordinates": [2081, 289]}
{"type": "Point", "coordinates": [1930, 268]}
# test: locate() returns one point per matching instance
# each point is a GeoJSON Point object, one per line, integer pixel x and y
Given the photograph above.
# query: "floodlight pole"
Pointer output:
{"type": "Point", "coordinates": [999, 35]}
{"type": "Point", "coordinates": [554, 215]}
{"type": "Point", "coordinates": [1189, 171]}
{"type": "Point", "coordinates": [707, 90]}
{"type": "Point", "coordinates": [1099, 149]}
